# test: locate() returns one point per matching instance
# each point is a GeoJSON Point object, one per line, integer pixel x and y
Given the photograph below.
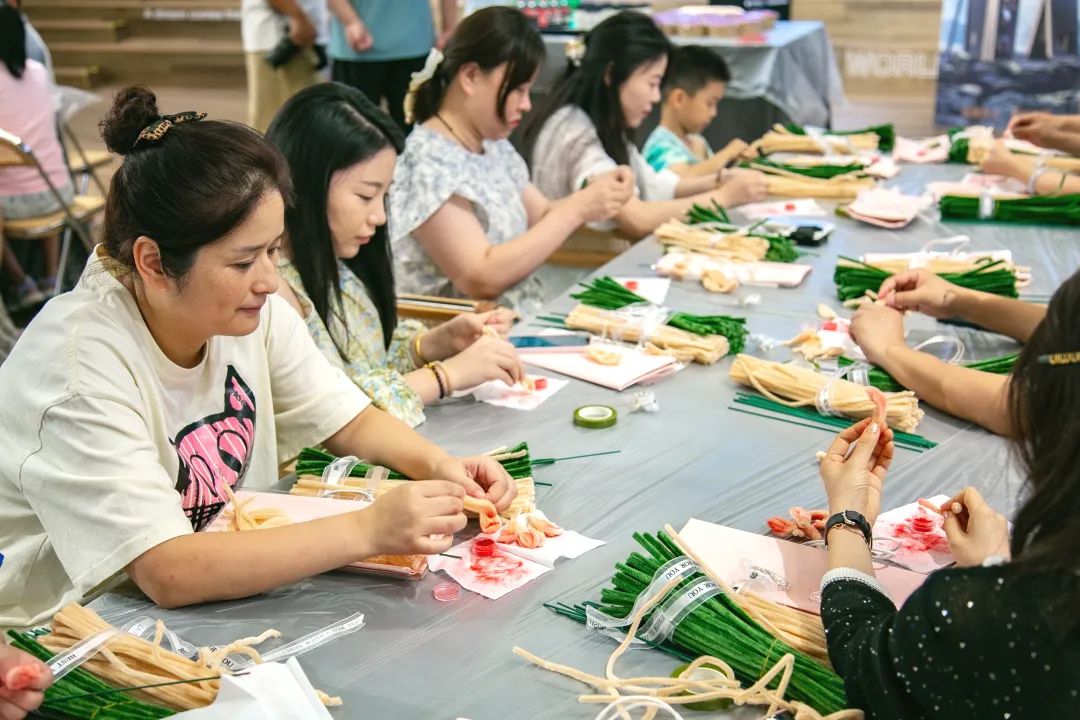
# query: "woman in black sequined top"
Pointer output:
{"type": "Point", "coordinates": [999, 635]}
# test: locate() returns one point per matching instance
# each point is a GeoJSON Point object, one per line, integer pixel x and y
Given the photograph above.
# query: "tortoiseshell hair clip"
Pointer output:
{"type": "Point", "coordinates": [157, 129]}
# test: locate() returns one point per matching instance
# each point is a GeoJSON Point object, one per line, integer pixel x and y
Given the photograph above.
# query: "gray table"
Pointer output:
{"type": "Point", "coordinates": [791, 75]}
{"type": "Point", "coordinates": [418, 658]}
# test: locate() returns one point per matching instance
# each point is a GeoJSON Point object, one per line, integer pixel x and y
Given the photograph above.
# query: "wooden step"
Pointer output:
{"type": "Point", "coordinates": [86, 77]}
{"type": "Point", "coordinates": [81, 30]}
{"type": "Point", "coordinates": [163, 10]}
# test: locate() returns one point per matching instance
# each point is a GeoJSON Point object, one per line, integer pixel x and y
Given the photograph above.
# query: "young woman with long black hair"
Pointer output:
{"type": "Point", "coordinates": [338, 267]}
{"type": "Point", "coordinates": [999, 635]}
{"type": "Point", "coordinates": [586, 125]}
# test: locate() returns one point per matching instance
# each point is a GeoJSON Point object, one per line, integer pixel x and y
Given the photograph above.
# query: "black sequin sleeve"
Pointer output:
{"type": "Point", "coordinates": [972, 643]}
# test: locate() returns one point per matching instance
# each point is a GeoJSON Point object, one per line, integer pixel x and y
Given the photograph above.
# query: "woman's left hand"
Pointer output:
{"type": "Point", "coordinates": [875, 329]}
{"type": "Point", "coordinates": [853, 476]}
{"type": "Point", "coordinates": [456, 334]}
{"type": "Point", "coordinates": [482, 477]}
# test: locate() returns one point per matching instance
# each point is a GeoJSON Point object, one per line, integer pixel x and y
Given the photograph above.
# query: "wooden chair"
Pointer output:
{"type": "Point", "coordinates": [74, 216]}
{"type": "Point", "coordinates": [588, 248]}
{"type": "Point", "coordinates": [432, 310]}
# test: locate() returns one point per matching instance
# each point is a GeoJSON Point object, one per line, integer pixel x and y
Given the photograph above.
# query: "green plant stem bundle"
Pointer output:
{"type": "Point", "coordinates": [854, 277]}
{"type": "Point", "coordinates": [111, 706]}
{"type": "Point", "coordinates": [887, 383]}
{"type": "Point", "coordinates": [313, 461]}
{"type": "Point", "coordinates": [1039, 209]}
{"type": "Point", "coordinates": [718, 627]}
{"type": "Point", "coordinates": [811, 417]}
{"type": "Point", "coordinates": [820, 172]}
{"type": "Point", "coordinates": [608, 294]}
{"type": "Point", "coordinates": [781, 249]}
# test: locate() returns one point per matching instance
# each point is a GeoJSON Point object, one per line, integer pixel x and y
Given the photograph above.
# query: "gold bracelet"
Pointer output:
{"type": "Point", "coordinates": [419, 356]}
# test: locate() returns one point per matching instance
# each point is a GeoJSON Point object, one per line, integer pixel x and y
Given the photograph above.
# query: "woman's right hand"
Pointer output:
{"type": "Point", "coordinates": [23, 680]}
{"type": "Point", "coordinates": [1039, 128]}
{"type": "Point", "coordinates": [740, 187]}
{"type": "Point", "coordinates": [975, 530]}
{"type": "Point", "coordinates": [605, 194]}
{"type": "Point", "coordinates": [416, 518]}
{"type": "Point", "coordinates": [922, 291]}
{"type": "Point", "coordinates": [489, 358]}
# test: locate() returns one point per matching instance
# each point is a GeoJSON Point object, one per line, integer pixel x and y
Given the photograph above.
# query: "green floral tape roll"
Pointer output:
{"type": "Point", "coordinates": [595, 416]}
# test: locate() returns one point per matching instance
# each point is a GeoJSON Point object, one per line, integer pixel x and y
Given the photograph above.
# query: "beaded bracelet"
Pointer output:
{"type": "Point", "coordinates": [441, 369]}
{"type": "Point", "coordinates": [438, 379]}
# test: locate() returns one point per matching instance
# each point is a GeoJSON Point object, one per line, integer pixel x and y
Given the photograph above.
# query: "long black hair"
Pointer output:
{"type": "Point", "coordinates": [12, 40]}
{"type": "Point", "coordinates": [185, 190]}
{"type": "Point", "coordinates": [321, 130]}
{"type": "Point", "coordinates": [489, 38]}
{"type": "Point", "coordinates": [1044, 398]}
{"type": "Point", "coordinates": [614, 49]}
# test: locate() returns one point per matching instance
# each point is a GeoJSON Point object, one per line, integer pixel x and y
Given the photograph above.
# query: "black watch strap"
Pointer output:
{"type": "Point", "coordinates": [850, 518]}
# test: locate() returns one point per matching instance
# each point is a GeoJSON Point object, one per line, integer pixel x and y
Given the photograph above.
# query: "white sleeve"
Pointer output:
{"type": "Point", "coordinates": [312, 398]}
{"type": "Point", "coordinates": [97, 485]}
{"type": "Point", "coordinates": [654, 185]}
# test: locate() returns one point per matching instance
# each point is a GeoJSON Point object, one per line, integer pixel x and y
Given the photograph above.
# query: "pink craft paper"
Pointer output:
{"type": "Point", "coordinates": [923, 552]}
{"type": "Point", "coordinates": [636, 367]}
{"type": "Point", "coordinates": [885, 207]}
{"type": "Point", "coordinates": [301, 508]}
{"type": "Point", "coordinates": [728, 551]}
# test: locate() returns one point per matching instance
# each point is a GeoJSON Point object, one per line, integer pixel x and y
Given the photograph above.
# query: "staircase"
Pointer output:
{"type": "Point", "coordinates": [182, 43]}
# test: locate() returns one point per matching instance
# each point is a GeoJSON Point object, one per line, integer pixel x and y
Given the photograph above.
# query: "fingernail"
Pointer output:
{"type": "Point", "coordinates": [872, 428]}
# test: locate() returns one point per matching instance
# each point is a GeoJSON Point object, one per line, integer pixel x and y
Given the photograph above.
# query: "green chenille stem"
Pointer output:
{"type": "Point", "coordinates": [887, 383]}
{"type": "Point", "coordinates": [821, 172]}
{"type": "Point", "coordinates": [763, 403]}
{"type": "Point", "coordinates": [717, 627]}
{"type": "Point", "coordinates": [853, 280]}
{"type": "Point", "coordinates": [80, 682]}
{"type": "Point", "coordinates": [313, 461]}
{"type": "Point", "coordinates": [1037, 210]}
{"type": "Point", "coordinates": [607, 294]}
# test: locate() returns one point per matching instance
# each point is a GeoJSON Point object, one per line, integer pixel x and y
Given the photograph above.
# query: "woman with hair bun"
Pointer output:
{"type": "Point", "coordinates": [172, 375]}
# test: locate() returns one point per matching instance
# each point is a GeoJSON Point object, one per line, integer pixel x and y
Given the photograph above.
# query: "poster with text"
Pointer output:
{"type": "Point", "coordinates": [999, 57]}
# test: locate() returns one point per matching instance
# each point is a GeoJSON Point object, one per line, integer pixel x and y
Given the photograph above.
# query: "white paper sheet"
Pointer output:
{"type": "Point", "coordinates": [517, 397]}
{"type": "Point", "coordinates": [653, 289]}
{"type": "Point", "coordinates": [568, 545]}
{"type": "Point", "coordinates": [805, 207]}
{"type": "Point", "coordinates": [923, 551]}
{"type": "Point", "coordinates": [928, 150]}
{"type": "Point", "coordinates": [270, 691]}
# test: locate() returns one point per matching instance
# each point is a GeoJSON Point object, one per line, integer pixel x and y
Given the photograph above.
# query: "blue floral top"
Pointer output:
{"type": "Point", "coordinates": [359, 350]}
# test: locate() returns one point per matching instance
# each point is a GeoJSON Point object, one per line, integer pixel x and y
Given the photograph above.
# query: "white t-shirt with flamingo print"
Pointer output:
{"type": "Point", "coordinates": [108, 449]}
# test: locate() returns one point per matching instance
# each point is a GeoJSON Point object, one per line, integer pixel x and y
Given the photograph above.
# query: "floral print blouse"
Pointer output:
{"type": "Point", "coordinates": [377, 370]}
{"type": "Point", "coordinates": [434, 168]}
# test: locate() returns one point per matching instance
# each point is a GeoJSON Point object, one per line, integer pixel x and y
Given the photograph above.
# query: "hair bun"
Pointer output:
{"type": "Point", "coordinates": [133, 109]}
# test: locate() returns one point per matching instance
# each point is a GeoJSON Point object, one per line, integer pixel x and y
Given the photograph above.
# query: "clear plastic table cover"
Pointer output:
{"type": "Point", "coordinates": [794, 68]}
{"type": "Point", "coordinates": [420, 658]}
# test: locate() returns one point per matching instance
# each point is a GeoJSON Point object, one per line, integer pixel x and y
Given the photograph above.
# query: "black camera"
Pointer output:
{"type": "Point", "coordinates": [286, 50]}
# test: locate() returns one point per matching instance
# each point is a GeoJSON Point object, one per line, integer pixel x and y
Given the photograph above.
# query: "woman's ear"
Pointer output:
{"type": "Point", "coordinates": [469, 75]}
{"type": "Point", "coordinates": [147, 257]}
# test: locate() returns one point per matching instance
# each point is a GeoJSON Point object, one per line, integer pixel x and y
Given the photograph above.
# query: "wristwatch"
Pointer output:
{"type": "Point", "coordinates": [850, 518]}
